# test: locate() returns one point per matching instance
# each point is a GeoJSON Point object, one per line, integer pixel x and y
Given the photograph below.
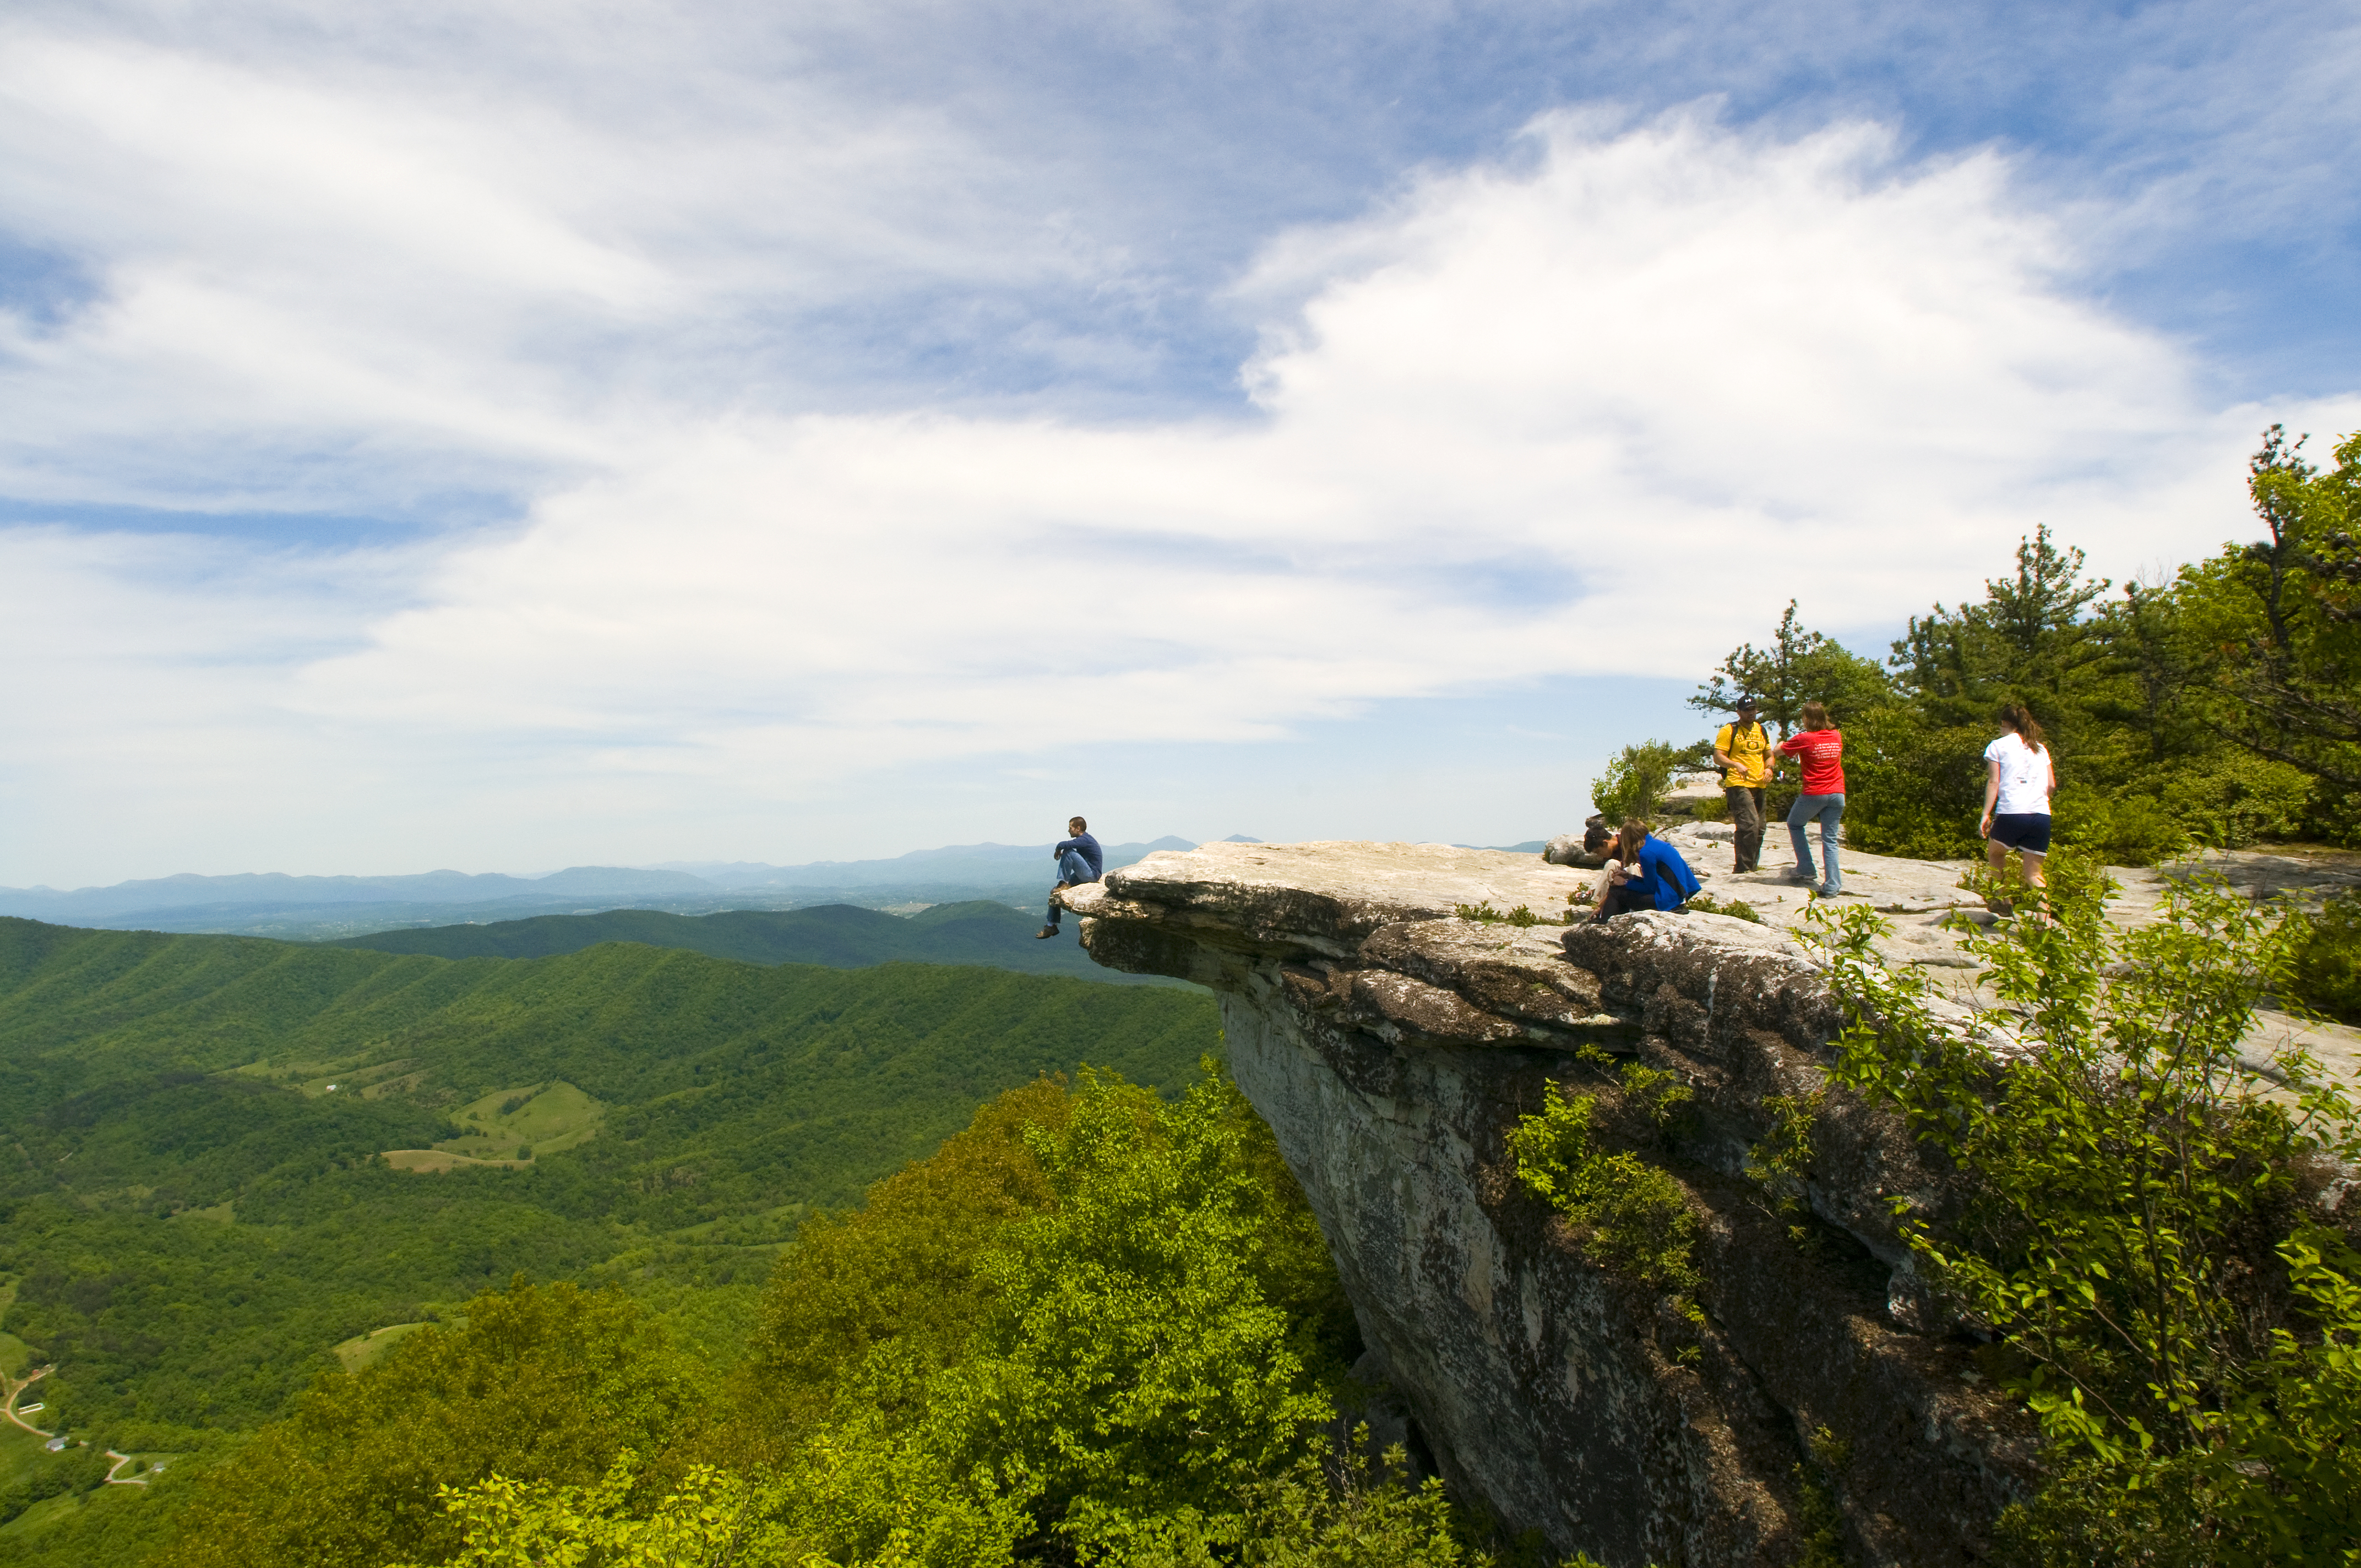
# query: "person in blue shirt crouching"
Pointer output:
{"type": "Point", "coordinates": [1656, 876]}
{"type": "Point", "coordinates": [1079, 860]}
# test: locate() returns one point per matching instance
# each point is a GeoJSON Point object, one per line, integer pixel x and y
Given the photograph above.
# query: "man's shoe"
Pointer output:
{"type": "Point", "coordinates": [1045, 933]}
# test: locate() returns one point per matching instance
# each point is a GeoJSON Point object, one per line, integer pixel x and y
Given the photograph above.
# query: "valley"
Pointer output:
{"type": "Point", "coordinates": [232, 1165]}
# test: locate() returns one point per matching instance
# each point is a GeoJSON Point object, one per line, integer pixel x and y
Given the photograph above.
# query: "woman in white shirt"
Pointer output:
{"type": "Point", "coordinates": [2018, 781]}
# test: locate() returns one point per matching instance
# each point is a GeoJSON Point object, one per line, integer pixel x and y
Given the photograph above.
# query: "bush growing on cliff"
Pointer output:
{"type": "Point", "coordinates": [1628, 1216]}
{"type": "Point", "coordinates": [2140, 1226]}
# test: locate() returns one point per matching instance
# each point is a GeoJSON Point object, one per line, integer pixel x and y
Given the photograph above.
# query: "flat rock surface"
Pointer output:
{"type": "Point", "coordinates": [1336, 889]}
{"type": "Point", "coordinates": [1340, 890]}
{"type": "Point", "coordinates": [1918, 896]}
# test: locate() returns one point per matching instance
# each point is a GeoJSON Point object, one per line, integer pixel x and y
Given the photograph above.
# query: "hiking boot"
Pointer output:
{"type": "Point", "coordinates": [1045, 933]}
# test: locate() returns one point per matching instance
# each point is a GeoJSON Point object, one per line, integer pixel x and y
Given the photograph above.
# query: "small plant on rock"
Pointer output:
{"type": "Point", "coordinates": [1737, 909]}
{"type": "Point", "coordinates": [1628, 1216]}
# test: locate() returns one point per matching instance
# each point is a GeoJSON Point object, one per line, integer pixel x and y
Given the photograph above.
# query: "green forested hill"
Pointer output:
{"type": "Point", "coordinates": [193, 1217]}
{"type": "Point", "coordinates": [842, 936]}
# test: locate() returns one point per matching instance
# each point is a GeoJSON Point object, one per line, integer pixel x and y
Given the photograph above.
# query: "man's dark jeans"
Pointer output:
{"type": "Point", "coordinates": [1746, 815]}
{"type": "Point", "coordinates": [1073, 872]}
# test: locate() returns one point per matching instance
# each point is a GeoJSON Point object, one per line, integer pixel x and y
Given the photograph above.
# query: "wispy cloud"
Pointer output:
{"type": "Point", "coordinates": [884, 392]}
{"type": "Point", "coordinates": [1672, 375]}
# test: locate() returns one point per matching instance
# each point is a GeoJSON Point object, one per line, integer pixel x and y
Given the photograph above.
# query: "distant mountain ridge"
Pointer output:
{"type": "Point", "coordinates": [964, 862]}
{"type": "Point", "coordinates": [837, 936]}
{"type": "Point", "coordinates": [305, 908]}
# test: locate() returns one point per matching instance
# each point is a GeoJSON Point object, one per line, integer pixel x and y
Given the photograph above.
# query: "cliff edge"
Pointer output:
{"type": "Point", "coordinates": [1393, 1046]}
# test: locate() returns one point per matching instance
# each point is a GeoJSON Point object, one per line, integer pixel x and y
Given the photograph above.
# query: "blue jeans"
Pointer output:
{"type": "Point", "coordinates": [1073, 872]}
{"type": "Point", "coordinates": [1829, 810]}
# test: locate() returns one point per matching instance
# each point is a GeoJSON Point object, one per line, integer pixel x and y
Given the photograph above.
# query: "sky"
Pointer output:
{"type": "Point", "coordinates": [508, 435]}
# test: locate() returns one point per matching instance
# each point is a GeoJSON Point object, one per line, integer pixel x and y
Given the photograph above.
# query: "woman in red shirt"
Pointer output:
{"type": "Point", "coordinates": [1821, 746]}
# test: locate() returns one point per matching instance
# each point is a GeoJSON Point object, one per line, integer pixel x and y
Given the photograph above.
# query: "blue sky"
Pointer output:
{"type": "Point", "coordinates": [511, 435]}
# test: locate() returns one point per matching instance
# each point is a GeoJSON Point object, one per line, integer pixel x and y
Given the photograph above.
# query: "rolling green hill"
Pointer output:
{"type": "Point", "coordinates": [194, 1208]}
{"type": "Point", "coordinates": [842, 936]}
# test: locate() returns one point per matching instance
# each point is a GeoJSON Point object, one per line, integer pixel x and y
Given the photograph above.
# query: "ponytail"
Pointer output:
{"type": "Point", "coordinates": [1627, 842]}
{"type": "Point", "coordinates": [2018, 718]}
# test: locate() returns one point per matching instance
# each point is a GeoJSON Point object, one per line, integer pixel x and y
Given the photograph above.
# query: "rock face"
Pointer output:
{"type": "Point", "coordinates": [1392, 1045]}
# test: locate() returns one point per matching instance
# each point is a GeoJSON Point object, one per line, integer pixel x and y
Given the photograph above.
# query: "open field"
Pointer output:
{"type": "Point", "coordinates": [364, 1350]}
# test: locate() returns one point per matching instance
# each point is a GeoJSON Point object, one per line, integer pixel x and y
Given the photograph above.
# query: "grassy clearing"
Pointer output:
{"type": "Point", "coordinates": [433, 1162]}
{"type": "Point", "coordinates": [20, 1450]}
{"type": "Point", "coordinates": [542, 1117]}
{"type": "Point", "coordinates": [364, 1350]}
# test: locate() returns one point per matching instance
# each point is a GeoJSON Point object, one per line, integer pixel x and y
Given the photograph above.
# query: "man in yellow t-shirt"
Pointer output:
{"type": "Point", "coordinates": [1743, 753]}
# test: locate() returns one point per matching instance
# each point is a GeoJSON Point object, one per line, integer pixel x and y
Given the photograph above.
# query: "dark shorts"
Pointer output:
{"type": "Point", "coordinates": [2027, 831]}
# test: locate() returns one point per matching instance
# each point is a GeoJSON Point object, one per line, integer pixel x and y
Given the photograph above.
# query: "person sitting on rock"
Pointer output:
{"type": "Point", "coordinates": [1596, 833]}
{"type": "Point", "coordinates": [1647, 873]}
{"type": "Point", "coordinates": [1079, 861]}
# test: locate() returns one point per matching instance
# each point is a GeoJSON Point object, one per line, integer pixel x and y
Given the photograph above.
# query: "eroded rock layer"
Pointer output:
{"type": "Point", "coordinates": [1392, 1045]}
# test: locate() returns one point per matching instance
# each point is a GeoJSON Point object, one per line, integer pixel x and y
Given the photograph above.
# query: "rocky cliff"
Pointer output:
{"type": "Point", "coordinates": [1392, 1045]}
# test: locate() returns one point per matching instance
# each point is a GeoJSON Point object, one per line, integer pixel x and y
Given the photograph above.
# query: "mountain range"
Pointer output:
{"type": "Point", "coordinates": [837, 936]}
{"type": "Point", "coordinates": [318, 907]}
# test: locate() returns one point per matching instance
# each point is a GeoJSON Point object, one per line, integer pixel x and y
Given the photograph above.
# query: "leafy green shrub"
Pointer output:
{"type": "Point", "coordinates": [1636, 779]}
{"type": "Point", "coordinates": [2136, 1225]}
{"type": "Point", "coordinates": [1519, 916]}
{"type": "Point", "coordinates": [2326, 974]}
{"type": "Point", "coordinates": [544, 1384]}
{"type": "Point", "coordinates": [1737, 909]}
{"type": "Point", "coordinates": [1628, 1216]}
{"type": "Point", "coordinates": [1912, 787]}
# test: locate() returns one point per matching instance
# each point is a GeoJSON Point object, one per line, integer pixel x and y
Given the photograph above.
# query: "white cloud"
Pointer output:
{"type": "Point", "coordinates": [1602, 407]}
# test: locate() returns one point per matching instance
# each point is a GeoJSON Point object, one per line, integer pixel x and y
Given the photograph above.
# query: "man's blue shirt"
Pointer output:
{"type": "Point", "coordinates": [1089, 848]}
{"type": "Point", "coordinates": [1666, 879]}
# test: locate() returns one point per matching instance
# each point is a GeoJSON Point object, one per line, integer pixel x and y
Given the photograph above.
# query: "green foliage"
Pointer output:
{"type": "Point", "coordinates": [187, 1196]}
{"type": "Point", "coordinates": [1304, 1516]}
{"type": "Point", "coordinates": [1095, 1326]}
{"type": "Point", "coordinates": [2325, 974]}
{"type": "Point", "coordinates": [2031, 639]}
{"type": "Point", "coordinates": [508, 1523]}
{"type": "Point", "coordinates": [1737, 909]}
{"type": "Point", "coordinates": [1519, 916]}
{"type": "Point", "coordinates": [839, 936]}
{"type": "Point", "coordinates": [1821, 1520]}
{"type": "Point", "coordinates": [1779, 1162]}
{"type": "Point", "coordinates": [1914, 787]}
{"type": "Point", "coordinates": [78, 1469]}
{"type": "Point", "coordinates": [544, 1384]}
{"type": "Point", "coordinates": [2137, 1223]}
{"type": "Point", "coordinates": [2217, 708]}
{"type": "Point", "coordinates": [2277, 623]}
{"type": "Point", "coordinates": [1630, 1216]}
{"type": "Point", "coordinates": [1635, 780]}
{"type": "Point", "coordinates": [1798, 666]}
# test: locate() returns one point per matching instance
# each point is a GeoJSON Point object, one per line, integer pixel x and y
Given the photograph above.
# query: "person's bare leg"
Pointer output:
{"type": "Point", "coordinates": [2032, 863]}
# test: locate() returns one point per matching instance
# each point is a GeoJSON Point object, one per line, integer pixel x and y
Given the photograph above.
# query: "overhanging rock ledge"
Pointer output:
{"type": "Point", "coordinates": [1392, 1046]}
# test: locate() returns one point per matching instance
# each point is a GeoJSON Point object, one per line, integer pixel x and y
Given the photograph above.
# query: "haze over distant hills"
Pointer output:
{"type": "Point", "coordinates": [315, 907]}
{"type": "Point", "coordinates": [839, 936]}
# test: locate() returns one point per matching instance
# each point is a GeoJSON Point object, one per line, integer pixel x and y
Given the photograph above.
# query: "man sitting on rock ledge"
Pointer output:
{"type": "Point", "coordinates": [1079, 860]}
{"type": "Point", "coordinates": [1658, 878]}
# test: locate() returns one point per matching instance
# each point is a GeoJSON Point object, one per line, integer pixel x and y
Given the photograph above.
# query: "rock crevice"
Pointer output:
{"type": "Point", "coordinates": [1393, 1046]}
